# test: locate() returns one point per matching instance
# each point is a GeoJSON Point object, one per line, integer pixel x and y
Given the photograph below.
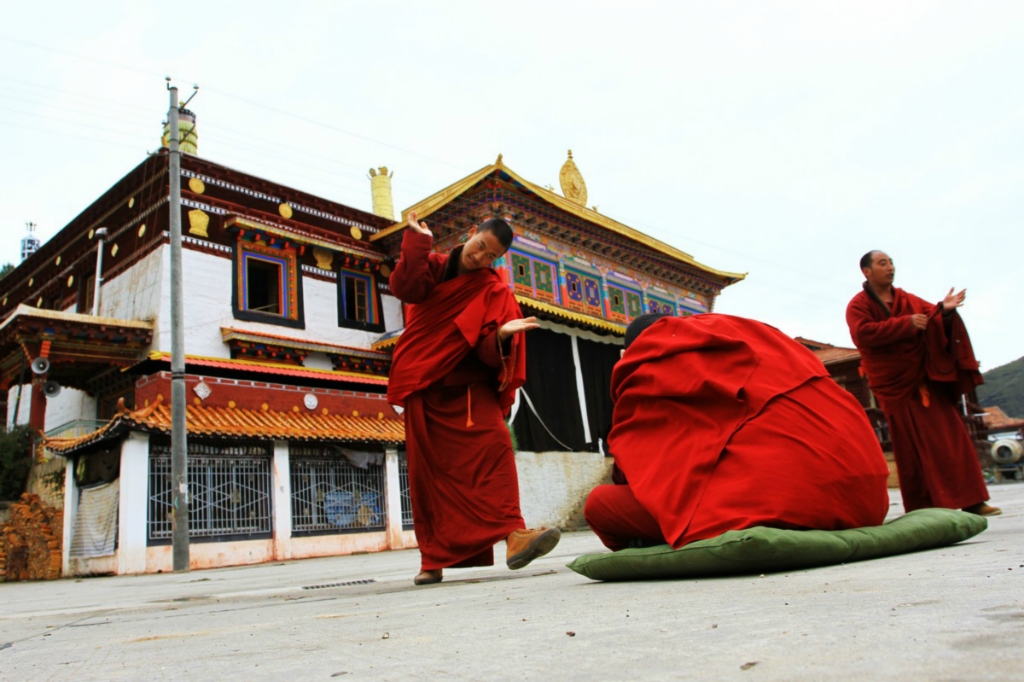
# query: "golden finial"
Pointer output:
{"type": "Point", "coordinates": [498, 162]}
{"type": "Point", "coordinates": [573, 187]}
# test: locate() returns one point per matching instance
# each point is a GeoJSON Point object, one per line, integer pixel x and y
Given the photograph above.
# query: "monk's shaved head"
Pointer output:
{"type": "Point", "coordinates": [868, 258]}
{"type": "Point", "coordinates": [637, 326]}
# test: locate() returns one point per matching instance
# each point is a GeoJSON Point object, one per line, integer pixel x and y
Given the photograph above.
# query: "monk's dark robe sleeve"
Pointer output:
{"type": "Point", "coordinates": [490, 351]}
{"type": "Point", "coordinates": [869, 333]}
{"type": "Point", "coordinates": [412, 281]}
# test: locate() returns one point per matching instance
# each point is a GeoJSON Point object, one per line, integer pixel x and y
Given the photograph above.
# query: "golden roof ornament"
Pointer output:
{"type": "Point", "coordinates": [573, 187]}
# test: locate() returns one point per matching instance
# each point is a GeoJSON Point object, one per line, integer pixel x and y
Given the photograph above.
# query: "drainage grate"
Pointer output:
{"type": "Point", "coordinates": [344, 584]}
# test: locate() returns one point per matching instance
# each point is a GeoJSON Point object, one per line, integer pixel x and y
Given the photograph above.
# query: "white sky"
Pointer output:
{"type": "Point", "coordinates": [783, 139]}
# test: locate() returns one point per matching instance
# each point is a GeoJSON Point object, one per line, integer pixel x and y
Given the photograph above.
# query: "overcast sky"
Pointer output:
{"type": "Point", "coordinates": [783, 139]}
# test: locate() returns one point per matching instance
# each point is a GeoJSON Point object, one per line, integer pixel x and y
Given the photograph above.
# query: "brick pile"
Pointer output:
{"type": "Point", "coordinates": [30, 541]}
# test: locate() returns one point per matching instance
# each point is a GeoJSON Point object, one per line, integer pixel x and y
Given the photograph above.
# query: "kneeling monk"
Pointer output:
{"type": "Point", "coordinates": [723, 423]}
{"type": "Point", "coordinates": [455, 371]}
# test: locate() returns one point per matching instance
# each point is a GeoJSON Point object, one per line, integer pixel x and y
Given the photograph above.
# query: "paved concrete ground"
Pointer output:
{"type": "Point", "coordinates": [949, 614]}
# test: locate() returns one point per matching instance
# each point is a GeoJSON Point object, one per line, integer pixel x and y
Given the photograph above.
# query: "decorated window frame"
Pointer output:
{"type": "Point", "coordinates": [261, 300]}
{"type": "Point", "coordinates": [661, 305]}
{"type": "Point", "coordinates": [351, 308]}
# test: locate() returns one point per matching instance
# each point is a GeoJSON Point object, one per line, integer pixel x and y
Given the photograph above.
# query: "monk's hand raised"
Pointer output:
{"type": "Point", "coordinates": [953, 301]}
{"type": "Point", "coordinates": [920, 321]}
{"type": "Point", "coordinates": [411, 221]}
{"type": "Point", "coordinates": [517, 327]}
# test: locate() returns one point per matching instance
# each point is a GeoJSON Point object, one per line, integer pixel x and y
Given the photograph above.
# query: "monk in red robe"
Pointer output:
{"type": "Point", "coordinates": [723, 423]}
{"type": "Point", "coordinates": [919, 361]}
{"type": "Point", "coordinates": [456, 368]}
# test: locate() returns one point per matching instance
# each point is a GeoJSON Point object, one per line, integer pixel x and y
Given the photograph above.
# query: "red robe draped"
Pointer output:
{"type": "Point", "coordinates": [918, 378]}
{"type": "Point", "coordinates": [722, 423]}
{"type": "Point", "coordinates": [456, 383]}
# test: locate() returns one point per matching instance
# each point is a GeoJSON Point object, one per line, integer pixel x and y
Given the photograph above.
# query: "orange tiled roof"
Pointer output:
{"type": "Point", "coordinates": [995, 418]}
{"type": "Point", "coordinates": [242, 423]}
{"type": "Point", "coordinates": [826, 352]}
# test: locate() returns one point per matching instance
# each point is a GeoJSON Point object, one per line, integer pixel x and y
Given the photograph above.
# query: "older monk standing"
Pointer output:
{"type": "Point", "coordinates": [918, 361]}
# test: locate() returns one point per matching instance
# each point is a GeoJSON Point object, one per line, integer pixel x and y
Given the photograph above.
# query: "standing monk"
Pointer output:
{"type": "Point", "coordinates": [455, 371]}
{"type": "Point", "coordinates": [918, 360]}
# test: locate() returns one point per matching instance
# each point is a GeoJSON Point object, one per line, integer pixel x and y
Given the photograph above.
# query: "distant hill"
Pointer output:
{"type": "Point", "coordinates": [1004, 386]}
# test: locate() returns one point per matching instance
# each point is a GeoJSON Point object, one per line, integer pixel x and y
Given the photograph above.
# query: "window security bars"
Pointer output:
{"type": "Point", "coordinates": [403, 481]}
{"type": "Point", "coordinates": [229, 487]}
{"type": "Point", "coordinates": [330, 495]}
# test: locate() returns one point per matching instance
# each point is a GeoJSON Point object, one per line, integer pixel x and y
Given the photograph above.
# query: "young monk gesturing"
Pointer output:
{"type": "Point", "coordinates": [455, 371]}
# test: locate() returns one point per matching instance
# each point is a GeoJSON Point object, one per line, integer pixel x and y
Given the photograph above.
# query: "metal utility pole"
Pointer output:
{"type": "Point", "coordinates": [179, 450]}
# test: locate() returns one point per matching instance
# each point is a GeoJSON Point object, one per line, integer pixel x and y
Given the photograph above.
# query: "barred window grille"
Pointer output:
{"type": "Point", "coordinates": [330, 495]}
{"type": "Point", "coordinates": [229, 487]}
{"type": "Point", "coordinates": [403, 480]}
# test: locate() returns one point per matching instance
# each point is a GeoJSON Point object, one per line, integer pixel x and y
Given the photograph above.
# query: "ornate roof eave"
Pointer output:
{"type": "Point", "coordinates": [299, 238]}
{"type": "Point", "coordinates": [440, 199]}
{"type": "Point", "coordinates": [563, 315]}
{"type": "Point", "coordinates": [278, 368]}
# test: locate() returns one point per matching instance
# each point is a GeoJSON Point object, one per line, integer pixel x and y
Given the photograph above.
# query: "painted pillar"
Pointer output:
{"type": "Point", "coordinates": [393, 491]}
{"type": "Point", "coordinates": [282, 501]}
{"type": "Point", "coordinates": [70, 511]}
{"type": "Point", "coordinates": [133, 504]}
{"type": "Point", "coordinates": [37, 411]}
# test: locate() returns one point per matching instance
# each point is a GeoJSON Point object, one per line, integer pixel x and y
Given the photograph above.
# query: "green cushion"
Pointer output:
{"type": "Point", "coordinates": [763, 550]}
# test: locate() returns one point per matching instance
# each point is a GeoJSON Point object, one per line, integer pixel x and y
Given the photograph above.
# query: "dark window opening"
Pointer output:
{"type": "Point", "coordinates": [356, 300]}
{"type": "Point", "coordinates": [522, 270]}
{"type": "Point", "coordinates": [616, 299]}
{"type": "Point", "coordinates": [575, 287]}
{"type": "Point", "coordinates": [263, 286]}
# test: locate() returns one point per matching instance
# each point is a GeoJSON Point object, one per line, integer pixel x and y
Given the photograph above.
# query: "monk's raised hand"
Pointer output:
{"type": "Point", "coordinates": [413, 224]}
{"type": "Point", "coordinates": [953, 301]}
{"type": "Point", "coordinates": [920, 321]}
{"type": "Point", "coordinates": [517, 327]}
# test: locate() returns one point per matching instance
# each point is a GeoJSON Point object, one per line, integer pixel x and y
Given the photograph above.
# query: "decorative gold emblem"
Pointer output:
{"type": "Point", "coordinates": [39, 302]}
{"type": "Point", "coordinates": [91, 233]}
{"type": "Point", "coordinates": [57, 262]}
{"type": "Point", "coordinates": [324, 257]}
{"type": "Point", "coordinates": [356, 233]}
{"type": "Point", "coordinates": [31, 280]}
{"type": "Point", "coordinates": [198, 222]}
{"type": "Point", "coordinates": [131, 202]}
{"type": "Point", "coordinates": [5, 300]}
{"type": "Point", "coordinates": [71, 280]}
{"type": "Point", "coordinates": [113, 250]}
{"type": "Point", "coordinates": [573, 187]}
{"type": "Point", "coordinates": [196, 185]}
{"type": "Point", "coordinates": [142, 229]}
{"type": "Point", "coordinates": [385, 271]}
{"type": "Point", "coordinates": [285, 210]}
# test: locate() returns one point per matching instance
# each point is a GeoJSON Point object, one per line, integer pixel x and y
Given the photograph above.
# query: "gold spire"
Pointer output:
{"type": "Point", "coordinates": [380, 188]}
{"type": "Point", "coordinates": [573, 187]}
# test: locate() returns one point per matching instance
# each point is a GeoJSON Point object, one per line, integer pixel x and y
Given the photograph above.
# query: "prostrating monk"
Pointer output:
{"type": "Point", "coordinates": [723, 423]}
{"type": "Point", "coordinates": [455, 371]}
{"type": "Point", "coordinates": [918, 360]}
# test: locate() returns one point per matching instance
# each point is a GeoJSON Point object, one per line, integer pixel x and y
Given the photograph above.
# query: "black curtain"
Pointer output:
{"type": "Point", "coordinates": [551, 383]}
{"type": "Point", "coordinates": [597, 361]}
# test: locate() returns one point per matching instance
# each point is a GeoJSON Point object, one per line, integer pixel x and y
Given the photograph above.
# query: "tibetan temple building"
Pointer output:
{"type": "Point", "coordinates": [293, 450]}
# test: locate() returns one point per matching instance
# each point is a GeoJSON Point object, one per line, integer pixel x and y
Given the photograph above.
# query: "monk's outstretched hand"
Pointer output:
{"type": "Point", "coordinates": [920, 321]}
{"type": "Point", "coordinates": [953, 301]}
{"type": "Point", "coordinates": [417, 226]}
{"type": "Point", "coordinates": [517, 327]}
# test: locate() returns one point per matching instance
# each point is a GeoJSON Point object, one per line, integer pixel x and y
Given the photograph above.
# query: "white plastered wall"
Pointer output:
{"type": "Point", "coordinates": [207, 290]}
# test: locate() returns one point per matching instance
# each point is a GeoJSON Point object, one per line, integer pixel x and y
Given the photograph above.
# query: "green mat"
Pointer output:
{"type": "Point", "coordinates": [763, 550]}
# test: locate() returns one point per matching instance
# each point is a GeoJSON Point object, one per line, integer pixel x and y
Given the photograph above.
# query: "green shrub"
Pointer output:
{"type": "Point", "coordinates": [15, 461]}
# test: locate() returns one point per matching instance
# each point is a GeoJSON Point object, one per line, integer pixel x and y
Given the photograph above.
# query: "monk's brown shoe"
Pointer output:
{"type": "Point", "coordinates": [429, 577]}
{"type": "Point", "coordinates": [527, 544]}
{"type": "Point", "coordinates": [983, 509]}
